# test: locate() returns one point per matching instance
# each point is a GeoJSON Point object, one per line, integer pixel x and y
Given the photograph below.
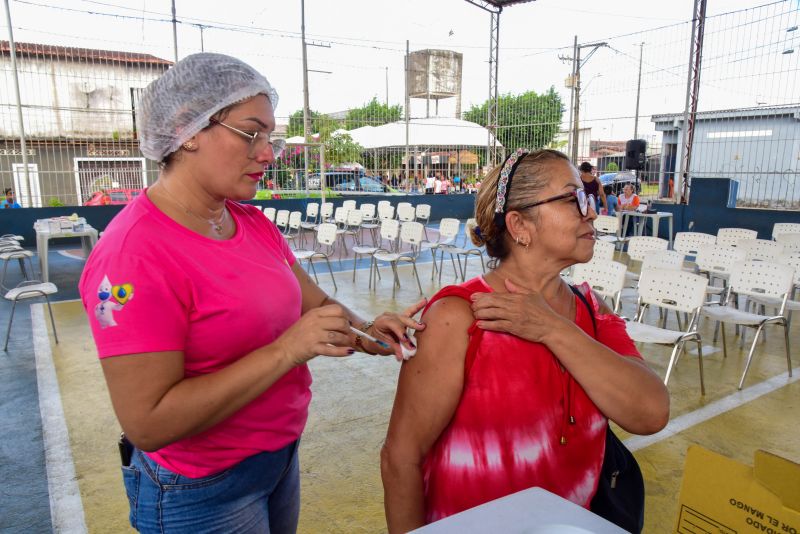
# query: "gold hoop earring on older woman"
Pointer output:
{"type": "Point", "coordinates": [189, 146]}
{"type": "Point", "coordinates": [525, 244]}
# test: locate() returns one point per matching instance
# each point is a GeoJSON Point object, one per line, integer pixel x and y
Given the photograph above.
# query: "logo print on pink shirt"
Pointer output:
{"type": "Point", "coordinates": [112, 298]}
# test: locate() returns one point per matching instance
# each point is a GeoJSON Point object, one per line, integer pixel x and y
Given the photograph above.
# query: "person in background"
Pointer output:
{"type": "Point", "coordinates": [611, 200]}
{"type": "Point", "coordinates": [516, 375]}
{"type": "Point", "coordinates": [628, 200]}
{"type": "Point", "coordinates": [457, 183]}
{"type": "Point", "coordinates": [430, 183]}
{"type": "Point", "coordinates": [592, 185]}
{"type": "Point", "coordinates": [437, 184]}
{"type": "Point", "coordinates": [203, 319]}
{"type": "Point", "coordinates": [105, 198]}
{"type": "Point", "coordinates": [8, 201]}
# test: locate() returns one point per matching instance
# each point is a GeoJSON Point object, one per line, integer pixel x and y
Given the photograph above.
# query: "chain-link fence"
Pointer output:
{"type": "Point", "coordinates": [78, 105]}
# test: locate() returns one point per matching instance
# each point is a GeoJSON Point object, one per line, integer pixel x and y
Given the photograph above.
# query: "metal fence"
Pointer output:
{"type": "Point", "coordinates": [78, 103]}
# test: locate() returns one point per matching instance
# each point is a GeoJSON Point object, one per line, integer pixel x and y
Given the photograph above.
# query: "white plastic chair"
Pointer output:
{"type": "Point", "coordinates": [27, 290]}
{"type": "Point", "coordinates": [732, 236]}
{"type": "Point", "coordinates": [467, 249]}
{"type": "Point", "coordinates": [385, 210]}
{"type": "Point", "coordinates": [282, 220]}
{"type": "Point", "coordinates": [690, 243]}
{"type": "Point", "coordinates": [293, 226]}
{"type": "Point", "coordinates": [405, 212]}
{"type": "Point", "coordinates": [369, 221]}
{"type": "Point", "coordinates": [326, 212]}
{"type": "Point", "coordinates": [607, 278]}
{"type": "Point", "coordinates": [448, 232]}
{"type": "Point", "coordinates": [403, 206]}
{"type": "Point", "coordinates": [760, 249]}
{"type": "Point", "coordinates": [784, 228]}
{"type": "Point", "coordinates": [310, 221]}
{"type": "Point", "coordinates": [718, 261]}
{"type": "Point", "coordinates": [670, 289]}
{"type": "Point", "coordinates": [792, 260]}
{"type": "Point", "coordinates": [326, 237]}
{"type": "Point", "coordinates": [608, 229]}
{"type": "Point", "coordinates": [754, 279]}
{"type": "Point", "coordinates": [423, 215]}
{"type": "Point", "coordinates": [411, 234]}
{"type": "Point", "coordinates": [603, 251]}
{"type": "Point", "coordinates": [269, 213]}
{"type": "Point", "coordinates": [349, 205]}
{"type": "Point", "coordinates": [790, 242]}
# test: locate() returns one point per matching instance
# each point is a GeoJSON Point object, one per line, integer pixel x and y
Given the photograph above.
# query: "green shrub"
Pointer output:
{"type": "Point", "coordinates": [55, 202]}
{"type": "Point", "coordinates": [612, 167]}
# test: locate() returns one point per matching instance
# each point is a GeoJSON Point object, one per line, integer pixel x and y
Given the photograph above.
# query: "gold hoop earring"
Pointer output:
{"type": "Point", "coordinates": [189, 146]}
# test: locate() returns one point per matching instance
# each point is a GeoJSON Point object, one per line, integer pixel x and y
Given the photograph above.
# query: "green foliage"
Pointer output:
{"type": "Point", "coordinates": [320, 123]}
{"type": "Point", "coordinates": [341, 148]}
{"type": "Point", "coordinates": [528, 120]}
{"type": "Point", "coordinates": [55, 202]}
{"type": "Point", "coordinates": [373, 114]}
{"type": "Point", "coordinates": [612, 167]}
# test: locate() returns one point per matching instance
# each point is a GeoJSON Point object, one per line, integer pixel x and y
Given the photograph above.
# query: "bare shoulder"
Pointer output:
{"type": "Point", "coordinates": [451, 313]}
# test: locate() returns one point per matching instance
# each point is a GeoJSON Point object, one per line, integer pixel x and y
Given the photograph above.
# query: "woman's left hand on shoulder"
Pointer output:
{"type": "Point", "coordinates": [391, 328]}
{"type": "Point", "coordinates": [521, 312]}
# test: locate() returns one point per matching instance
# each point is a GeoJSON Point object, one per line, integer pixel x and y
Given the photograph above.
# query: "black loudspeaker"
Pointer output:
{"type": "Point", "coordinates": [635, 154]}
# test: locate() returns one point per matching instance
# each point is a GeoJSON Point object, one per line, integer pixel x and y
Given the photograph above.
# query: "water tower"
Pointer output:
{"type": "Point", "coordinates": [433, 75]}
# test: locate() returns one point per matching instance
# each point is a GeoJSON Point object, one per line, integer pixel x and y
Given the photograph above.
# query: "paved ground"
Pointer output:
{"type": "Point", "coordinates": [352, 401]}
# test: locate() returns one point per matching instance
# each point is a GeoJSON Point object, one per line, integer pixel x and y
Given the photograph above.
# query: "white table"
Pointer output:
{"type": "Point", "coordinates": [642, 216]}
{"type": "Point", "coordinates": [43, 236]}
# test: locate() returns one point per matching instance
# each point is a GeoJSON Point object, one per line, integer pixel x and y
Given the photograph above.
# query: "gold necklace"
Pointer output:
{"type": "Point", "coordinates": [216, 224]}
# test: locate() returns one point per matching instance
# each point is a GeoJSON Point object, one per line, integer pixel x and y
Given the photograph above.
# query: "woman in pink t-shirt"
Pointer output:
{"type": "Point", "coordinates": [203, 319]}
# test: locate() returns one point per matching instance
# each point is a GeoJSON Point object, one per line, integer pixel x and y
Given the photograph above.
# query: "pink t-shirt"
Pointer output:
{"type": "Point", "coordinates": [151, 285]}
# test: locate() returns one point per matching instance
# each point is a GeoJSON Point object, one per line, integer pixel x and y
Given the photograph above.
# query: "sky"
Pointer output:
{"type": "Point", "coordinates": [360, 46]}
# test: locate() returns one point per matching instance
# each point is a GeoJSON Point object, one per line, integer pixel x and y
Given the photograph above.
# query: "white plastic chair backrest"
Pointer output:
{"type": "Point", "coordinates": [790, 242]}
{"type": "Point", "coordinates": [792, 259]}
{"type": "Point", "coordinates": [671, 260]}
{"type": "Point", "coordinates": [690, 242]}
{"type": "Point", "coordinates": [354, 218]}
{"type": "Point", "coordinates": [269, 213]}
{"type": "Point", "coordinates": [385, 211]}
{"type": "Point", "coordinates": [349, 205]}
{"type": "Point", "coordinates": [405, 212]}
{"type": "Point", "coordinates": [390, 229]}
{"type": "Point", "coordinates": [423, 211]}
{"type": "Point", "coordinates": [326, 234]}
{"type": "Point", "coordinates": [448, 228]}
{"type": "Point", "coordinates": [761, 249]}
{"type": "Point", "coordinates": [295, 218]}
{"type": "Point", "coordinates": [603, 251]}
{"type": "Point", "coordinates": [312, 210]}
{"type": "Point", "coordinates": [469, 226]}
{"type": "Point", "coordinates": [326, 211]}
{"type": "Point", "coordinates": [762, 278]}
{"type": "Point", "coordinates": [412, 233]}
{"type": "Point", "coordinates": [605, 277]}
{"type": "Point", "coordinates": [367, 211]}
{"type": "Point", "coordinates": [638, 246]}
{"type": "Point", "coordinates": [383, 203]}
{"type": "Point", "coordinates": [784, 228]}
{"type": "Point", "coordinates": [606, 224]}
{"type": "Point", "coordinates": [732, 236]}
{"type": "Point", "coordinates": [671, 289]}
{"type": "Point", "coordinates": [340, 215]}
{"type": "Point", "coordinates": [282, 218]}
{"type": "Point", "coordinates": [719, 258]}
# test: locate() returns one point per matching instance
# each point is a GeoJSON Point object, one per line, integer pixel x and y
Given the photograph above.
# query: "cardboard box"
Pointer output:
{"type": "Point", "coordinates": [721, 495]}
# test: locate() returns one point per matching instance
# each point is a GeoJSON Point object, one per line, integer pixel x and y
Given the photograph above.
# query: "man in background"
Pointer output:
{"type": "Point", "coordinates": [9, 201]}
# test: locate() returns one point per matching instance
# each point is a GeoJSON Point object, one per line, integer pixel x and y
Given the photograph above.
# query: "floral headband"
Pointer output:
{"type": "Point", "coordinates": [504, 184]}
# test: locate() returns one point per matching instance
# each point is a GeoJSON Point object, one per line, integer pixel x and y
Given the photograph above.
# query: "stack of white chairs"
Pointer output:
{"type": "Point", "coordinates": [10, 250]}
{"type": "Point", "coordinates": [754, 279]}
{"type": "Point", "coordinates": [670, 289]}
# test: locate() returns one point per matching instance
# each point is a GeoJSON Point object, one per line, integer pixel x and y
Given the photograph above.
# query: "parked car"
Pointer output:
{"type": "Point", "coordinates": [114, 197]}
{"type": "Point", "coordinates": [617, 181]}
{"type": "Point", "coordinates": [364, 184]}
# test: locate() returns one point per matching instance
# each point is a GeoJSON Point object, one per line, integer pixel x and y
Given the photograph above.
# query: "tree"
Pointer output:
{"type": "Point", "coordinates": [612, 167]}
{"type": "Point", "coordinates": [340, 148]}
{"type": "Point", "coordinates": [528, 120]}
{"type": "Point", "coordinates": [320, 124]}
{"type": "Point", "coordinates": [372, 114]}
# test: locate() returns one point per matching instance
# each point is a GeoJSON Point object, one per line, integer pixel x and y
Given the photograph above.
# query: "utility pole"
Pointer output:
{"type": "Point", "coordinates": [13, 47]}
{"type": "Point", "coordinates": [407, 112]}
{"type": "Point", "coordinates": [570, 140]}
{"type": "Point", "coordinates": [174, 31]}
{"type": "Point", "coordinates": [638, 93]}
{"type": "Point", "coordinates": [578, 64]}
{"type": "Point", "coordinates": [387, 86]}
{"type": "Point", "coordinates": [306, 112]}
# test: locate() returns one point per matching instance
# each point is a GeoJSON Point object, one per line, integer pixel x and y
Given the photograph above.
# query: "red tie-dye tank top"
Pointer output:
{"type": "Point", "coordinates": [522, 420]}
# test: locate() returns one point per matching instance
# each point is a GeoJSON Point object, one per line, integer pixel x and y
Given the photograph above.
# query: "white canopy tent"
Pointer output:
{"type": "Point", "coordinates": [432, 132]}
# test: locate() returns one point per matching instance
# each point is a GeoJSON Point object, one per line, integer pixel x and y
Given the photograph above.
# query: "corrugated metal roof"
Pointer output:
{"type": "Point", "coordinates": [68, 53]}
{"type": "Point", "coordinates": [740, 113]}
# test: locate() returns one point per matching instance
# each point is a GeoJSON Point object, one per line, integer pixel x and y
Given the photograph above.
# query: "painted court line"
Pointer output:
{"type": "Point", "coordinates": [66, 508]}
{"type": "Point", "coordinates": [725, 404]}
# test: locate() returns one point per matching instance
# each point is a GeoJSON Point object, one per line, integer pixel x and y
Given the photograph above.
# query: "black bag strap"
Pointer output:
{"type": "Point", "coordinates": [588, 306]}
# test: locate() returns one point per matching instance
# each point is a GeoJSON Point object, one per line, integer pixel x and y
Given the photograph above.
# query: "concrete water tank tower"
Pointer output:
{"type": "Point", "coordinates": [433, 75]}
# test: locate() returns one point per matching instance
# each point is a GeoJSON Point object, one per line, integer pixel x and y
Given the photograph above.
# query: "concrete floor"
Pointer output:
{"type": "Point", "coordinates": [341, 487]}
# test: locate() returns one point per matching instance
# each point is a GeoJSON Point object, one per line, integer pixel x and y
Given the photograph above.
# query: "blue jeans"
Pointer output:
{"type": "Point", "coordinates": [261, 494]}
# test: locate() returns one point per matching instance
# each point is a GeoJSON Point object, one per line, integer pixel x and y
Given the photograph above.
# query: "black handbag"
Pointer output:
{"type": "Point", "coordinates": [620, 490]}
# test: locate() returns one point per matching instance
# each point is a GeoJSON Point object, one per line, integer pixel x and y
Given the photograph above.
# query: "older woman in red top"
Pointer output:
{"type": "Point", "coordinates": [512, 386]}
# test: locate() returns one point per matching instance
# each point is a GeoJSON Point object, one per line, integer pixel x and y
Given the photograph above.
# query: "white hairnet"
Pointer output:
{"type": "Point", "coordinates": [177, 105]}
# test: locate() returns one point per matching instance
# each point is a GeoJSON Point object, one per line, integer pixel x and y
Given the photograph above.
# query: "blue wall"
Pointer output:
{"type": "Point", "coordinates": [20, 221]}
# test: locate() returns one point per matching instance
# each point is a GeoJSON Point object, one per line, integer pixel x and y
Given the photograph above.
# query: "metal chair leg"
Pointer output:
{"type": "Point", "coordinates": [330, 270]}
{"type": "Point", "coordinates": [724, 343]}
{"type": "Point", "coordinates": [786, 341]}
{"type": "Point", "coordinates": [750, 355]}
{"type": "Point", "coordinates": [52, 320]}
{"type": "Point", "coordinates": [10, 320]}
{"type": "Point", "coordinates": [416, 274]}
{"type": "Point", "coordinates": [313, 270]}
{"type": "Point", "coordinates": [672, 359]}
{"type": "Point", "coordinates": [700, 363]}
